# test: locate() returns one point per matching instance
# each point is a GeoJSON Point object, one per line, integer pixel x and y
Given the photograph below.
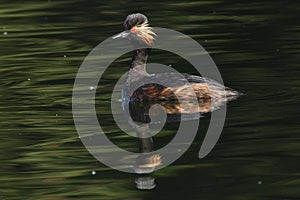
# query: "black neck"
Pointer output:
{"type": "Point", "coordinates": [139, 59]}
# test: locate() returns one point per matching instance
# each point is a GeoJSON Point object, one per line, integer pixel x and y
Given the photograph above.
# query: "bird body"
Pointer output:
{"type": "Point", "coordinates": [170, 87]}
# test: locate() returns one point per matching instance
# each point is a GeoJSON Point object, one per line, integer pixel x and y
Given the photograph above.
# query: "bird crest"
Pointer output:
{"type": "Point", "coordinates": [145, 32]}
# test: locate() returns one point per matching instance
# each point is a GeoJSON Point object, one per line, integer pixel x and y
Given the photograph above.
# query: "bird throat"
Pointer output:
{"type": "Point", "coordinates": [139, 60]}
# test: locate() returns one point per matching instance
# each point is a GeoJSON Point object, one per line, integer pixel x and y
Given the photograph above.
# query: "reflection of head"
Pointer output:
{"type": "Point", "coordinates": [146, 163]}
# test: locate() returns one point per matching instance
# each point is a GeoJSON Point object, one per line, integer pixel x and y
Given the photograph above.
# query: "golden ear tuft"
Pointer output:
{"type": "Point", "coordinates": [145, 32]}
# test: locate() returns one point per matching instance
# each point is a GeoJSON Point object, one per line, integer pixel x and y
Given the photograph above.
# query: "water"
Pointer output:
{"type": "Point", "coordinates": [256, 46]}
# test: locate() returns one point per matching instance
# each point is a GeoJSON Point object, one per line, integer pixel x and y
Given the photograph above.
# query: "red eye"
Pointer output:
{"type": "Point", "coordinates": [133, 29]}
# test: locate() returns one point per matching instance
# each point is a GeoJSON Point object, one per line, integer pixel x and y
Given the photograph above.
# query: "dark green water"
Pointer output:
{"type": "Point", "coordinates": [256, 45]}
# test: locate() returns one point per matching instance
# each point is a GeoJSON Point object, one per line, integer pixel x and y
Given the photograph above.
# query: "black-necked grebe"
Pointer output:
{"type": "Point", "coordinates": [136, 29]}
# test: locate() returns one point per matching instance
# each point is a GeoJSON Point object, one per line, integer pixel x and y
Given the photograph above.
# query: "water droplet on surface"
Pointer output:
{"type": "Point", "coordinates": [93, 172]}
{"type": "Point", "coordinates": [92, 88]}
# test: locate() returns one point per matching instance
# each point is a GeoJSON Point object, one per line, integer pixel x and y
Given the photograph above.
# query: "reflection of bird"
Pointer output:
{"type": "Point", "coordinates": [137, 30]}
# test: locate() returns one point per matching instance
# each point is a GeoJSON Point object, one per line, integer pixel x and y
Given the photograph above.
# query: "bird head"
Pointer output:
{"type": "Point", "coordinates": [136, 28]}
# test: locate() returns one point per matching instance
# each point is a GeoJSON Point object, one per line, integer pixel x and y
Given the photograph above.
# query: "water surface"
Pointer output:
{"type": "Point", "coordinates": [256, 47]}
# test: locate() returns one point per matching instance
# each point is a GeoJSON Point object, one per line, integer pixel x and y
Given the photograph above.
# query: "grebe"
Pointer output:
{"type": "Point", "coordinates": [136, 29]}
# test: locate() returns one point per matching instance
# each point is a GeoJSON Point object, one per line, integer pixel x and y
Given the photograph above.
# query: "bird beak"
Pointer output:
{"type": "Point", "coordinates": [123, 34]}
